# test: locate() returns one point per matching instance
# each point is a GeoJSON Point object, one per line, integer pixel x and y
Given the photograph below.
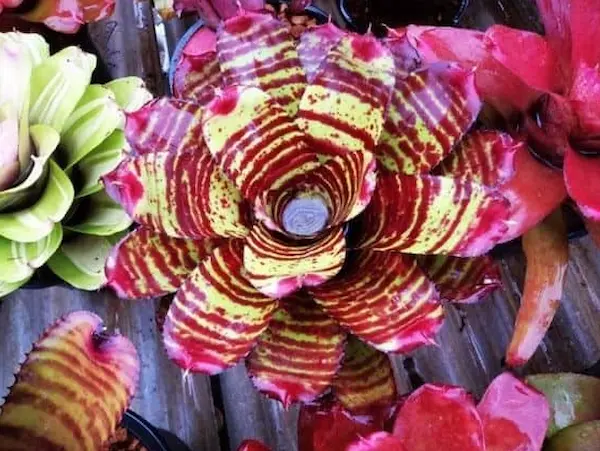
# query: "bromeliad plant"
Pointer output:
{"type": "Point", "coordinates": [59, 134]}
{"type": "Point", "coordinates": [547, 89]}
{"type": "Point", "coordinates": [64, 17]}
{"type": "Point", "coordinates": [72, 389]}
{"type": "Point", "coordinates": [313, 200]}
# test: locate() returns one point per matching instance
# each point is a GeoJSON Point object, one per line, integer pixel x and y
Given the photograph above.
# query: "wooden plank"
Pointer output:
{"type": "Point", "coordinates": [162, 397]}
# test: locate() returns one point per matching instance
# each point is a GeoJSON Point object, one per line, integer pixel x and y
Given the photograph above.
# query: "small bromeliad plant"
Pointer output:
{"type": "Point", "coordinates": [312, 203]}
{"type": "Point", "coordinates": [546, 89]}
{"type": "Point", "coordinates": [59, 135]}
{"type": "Point", "coordinates": [71, 390]}
{"type": "Point", "coordinates": [64, 17]}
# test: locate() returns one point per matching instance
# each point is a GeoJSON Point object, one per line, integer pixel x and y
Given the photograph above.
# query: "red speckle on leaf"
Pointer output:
{"type": "Point", "coordinates": [366, 48]}
{"type": "Point", "coordinates": [225, 103]}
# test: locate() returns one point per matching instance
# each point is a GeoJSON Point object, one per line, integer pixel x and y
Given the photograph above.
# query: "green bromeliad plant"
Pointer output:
{"type": "Point", "coordinates": [59, 135]}
{"type": "Point", "coordinates": [315, 210]}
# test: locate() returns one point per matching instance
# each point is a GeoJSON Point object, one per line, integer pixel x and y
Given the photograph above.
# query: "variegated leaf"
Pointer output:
{"type": "Point", "coordinates": [423, 214]}
{"type": "Point", "coordinates": [98, 215]}
{"type": "Point", "coordinates": [394, 309]}
{"type": "Point", "coordinates": [197, 73]}
{"type": "Point", "coordinates": [45, 140]}
{"type": "Point", "coordinates": [254, 140]}
{"type": "Point", "coordinates": [258, 50]}
{"type": "Point", "coordinates": [57, 85]}
{"type": "Point", "coordinates": [217, 315]}
{"type": "Point", "coordinates": [462, 280]}
{"type": "Point", "coordinates": [181, 194]}
{"type": "Point", "coordinates": [130, 93]}
{"type": "Point", "coordinates": [100, 162]}
{"type": "Point", "coordinates": [496, 159]}
{"type": "Point", "coordinates": [296, 358]}
{"type": "Point", "coordinates": [146, 264]}
{"type": "Point", "coordinates": [343, 108]}
{"type": "Point", "coordinates": [18, 261]}
{"type": "Point", "coordinates": [430, 110]}
{"type": "Point", "coordinates": [69, 17]}
{"type": "Point", "coordinates": [406, 57]}
{"type": "Point", "coordinates": [34, 223]}
{"type": "Point", "coordinates": [80, 260]}
{"type": "Point", "coordinates": [8, 287]}
{"type": "Point", "coordinates": [365, 381]}
{"type": "Point", "coordinates": [278, 267]}
{"type": "Point", "coordinates": [94, 119]}
{"type": "Point", "coordinates": [72, 389]}
{"type": "Point", "coordinates": [315, 44]}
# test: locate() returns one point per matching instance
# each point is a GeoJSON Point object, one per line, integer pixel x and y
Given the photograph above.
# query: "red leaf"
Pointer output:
{"type": "Point", "coordinates": [365, 383]}
{"type": "Point", "coordinates": [583, 182]}
{"type": "Point", "coordinates": [395, 309]}
{"type": "Point", "coordinates": [462, 280]}
{"type": "Point", "coordinates": [68, 17]}
{"type": "Point", "coordinates": [253, 445]}
{"type": "Point", "coordinates": [406, 57]}
{"type": "Point", "coordinates": [216, 315]}
{"type": "Point", "coordinates": [329, 427]}
{"type": "Point", "coordinates": [378, 441]}
{"type": "Point", "coordinates": [547, 253]}
{"type": "Point", "coordinates": [299, 354]}
{"type": "Point", "coordinates": [439, 417]}
{"type": "Point", "coordinates": [515, 415]}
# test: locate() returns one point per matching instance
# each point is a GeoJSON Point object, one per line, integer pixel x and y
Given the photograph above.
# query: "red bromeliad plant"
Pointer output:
{"type": "Point", "coordinates": [549, 87]}
{"type": "Point", "coordinates": [511, 416]}
{"type": "Point", "coordinates": [62, 16]}
{"type": "Point", "coordinates": [314, 196]}
{"type": "Point", "coordinates": [72, 389]}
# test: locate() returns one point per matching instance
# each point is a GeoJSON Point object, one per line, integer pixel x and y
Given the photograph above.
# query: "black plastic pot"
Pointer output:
{"type": "Point", "coordinates": [377, 14]}
{"type": "Point", "coordinates": [152, 438]}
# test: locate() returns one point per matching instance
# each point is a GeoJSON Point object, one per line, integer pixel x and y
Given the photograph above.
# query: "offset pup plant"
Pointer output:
{"type": "Point", "coordinates": [59, 134]}
{"type": "Point", "coordinates": [64, 17]}
{"type": "Point", "coordinates": [72, 388]}
{"type": "Point", "coordinates": [546, 88]}
{"type": "Point", "coordinates": [317, 210]}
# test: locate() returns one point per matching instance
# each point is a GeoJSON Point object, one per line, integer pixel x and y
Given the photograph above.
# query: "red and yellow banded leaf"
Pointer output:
{"type": "Point", "coordinates": [430, 110]}
{"type": "Point", "coordinates": [395, 309]}
{"type": "Point", "coordinates": [462, 280]}
{"type": "Point", "coordinates": [277, 267]}
{"type": "Point", "coordinates": [181, 194]}
{"type": "Point", "coordinates": [345, 183]}
{"type": "Point", "coordinates": [377, 441]}
{"type": "Point", "coordinates": [254, 140]}
{"type": "Point", "coordinates": [147, 264]}
{"type": "Point", "coordinates": [297, 357]}
{"type": "Point", "coordinates": [434, 215]}
{"type": "Point", "coordinates": [216, 315]}
{"type": "Point", "coordinates": [365, 380]}
{"type": "Point", "coordinates": [439, 417]}
{"type": "Point", "coordinates": [165, 125]}
{"type": "Point", "coordinates": [343, 108]}
{"type": "Point", "coordinates": [492, 158]}
{"type": "Point", "coordinates": [197, 72]}
{"type": "Point", "coordinates": [71, 390]}
{"type": "Point", "coordinates": [315, 44]}
{"type": "Point", "coordinates": [257, 49]}
{"type": "Point", "coordinates": [582, 176]}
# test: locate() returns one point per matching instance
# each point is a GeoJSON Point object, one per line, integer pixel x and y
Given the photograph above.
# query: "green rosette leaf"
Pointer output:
{"type": "Point", "coordinates": [99, 215]}
{"type": "Point", "coordinates": [130, 93]}
{"type": "Point", "coordinates": [8, 287]}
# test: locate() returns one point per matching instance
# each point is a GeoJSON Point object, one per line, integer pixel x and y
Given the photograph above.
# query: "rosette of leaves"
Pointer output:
{"type": "Point", "coordinates": [64, 17]}
{"type": "Point", "coordinates": [546, 91]}
{"type": "Point", "coordinates": [59, 134]}
{"type": "Point", "coordinates": [72, 388]}
{"type": "Point", "coordinates": [314, 212]}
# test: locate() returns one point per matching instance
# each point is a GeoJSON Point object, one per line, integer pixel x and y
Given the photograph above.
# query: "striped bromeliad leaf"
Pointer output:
{"type": "Point", "coordinates": [365, 381]}
{"type": "Point", "coordinates": [315, 44]}
{"type": "Point", "coordinates": [343, 108]}
{"type": "Point", "coordinates": [217, 315]}
{"type": "Point", "coordinates": [297, 357]}
{"type": "Point", "coordinates": [145, 264]}
{"type": "Point", "coordinates": [462, 280]}
{"type": "Point", "coordinates": [258, 50]}
{"type": "Point", "coordinates": [430, 111]}
{"type": "Point", "coordinates": [72, 389]}
{"type": "Point", "coordinates": [278, 268]}
{"type": "Point", "coordinates": [434, 215]}
{"type": "Point", "coordinates": [394, 309]}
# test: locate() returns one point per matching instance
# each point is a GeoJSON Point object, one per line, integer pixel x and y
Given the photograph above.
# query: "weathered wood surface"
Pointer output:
{"type": "Point", "coordinates": [471, 343]}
